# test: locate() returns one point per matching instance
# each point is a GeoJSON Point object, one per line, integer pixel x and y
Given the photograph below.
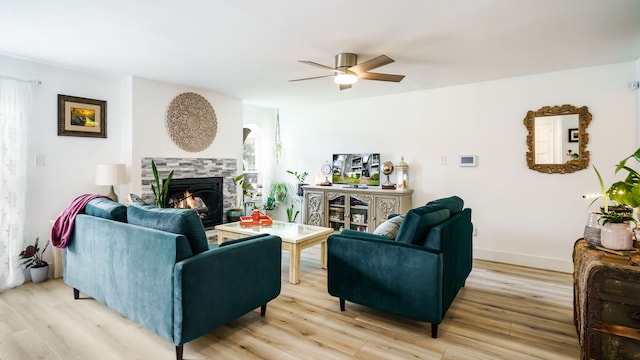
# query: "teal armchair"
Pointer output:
{"type": "Point", "coordinates": [416, 275]}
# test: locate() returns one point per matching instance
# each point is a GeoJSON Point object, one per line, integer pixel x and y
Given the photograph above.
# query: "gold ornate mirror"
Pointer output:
{"type": "Point", "coordinates": [558, 139]}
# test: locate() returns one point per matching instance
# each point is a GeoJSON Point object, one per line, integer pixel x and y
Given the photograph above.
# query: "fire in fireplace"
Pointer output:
{"type": "Point", "coordinates": [204, 195]}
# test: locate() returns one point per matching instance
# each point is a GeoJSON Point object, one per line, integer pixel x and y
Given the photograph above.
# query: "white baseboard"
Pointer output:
{"type": "Point", "coordinates": [561, 265]}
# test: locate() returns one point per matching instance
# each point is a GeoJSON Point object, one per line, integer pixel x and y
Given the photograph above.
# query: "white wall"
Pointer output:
{"type": "Point", "coordinates": [135, 128]}
{"type": "Point", "coordinates": [522, 216]}
{"type": "Point", "coordinates": [150, 100]}
{"type": "Point", "coordinates": [69, 162]}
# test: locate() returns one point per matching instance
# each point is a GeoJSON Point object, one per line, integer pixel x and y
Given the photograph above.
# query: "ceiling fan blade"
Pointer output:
{"type": "Point", "coordinates": [320, 66]}
{"type": "Point", "coordinates": [381, 77]}
{"type": "Point", "coordinates": [371, 64]}
{"type": "Point", "coordinates": [345, 86]}
{"type": "Point", "coordinates": [311, 78]}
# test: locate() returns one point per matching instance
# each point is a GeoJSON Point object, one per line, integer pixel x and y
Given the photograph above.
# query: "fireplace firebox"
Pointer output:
{"type": "Point", "coordinates": [204, 195]}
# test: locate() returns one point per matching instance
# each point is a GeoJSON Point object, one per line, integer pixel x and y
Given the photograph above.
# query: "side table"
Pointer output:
{"type": "Point", "coordinates": [606, 305]}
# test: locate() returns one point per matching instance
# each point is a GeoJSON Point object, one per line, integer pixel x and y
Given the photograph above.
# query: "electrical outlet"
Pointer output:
{"type": "Point", "coordinates": [475, 231]}
{"type": "Point", "coordinates": [39, 160]}
{"type": "Point", "coordinates": [443, 160]}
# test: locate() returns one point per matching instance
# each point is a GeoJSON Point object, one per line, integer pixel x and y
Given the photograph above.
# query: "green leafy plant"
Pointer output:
{"type": "Point", "coordinates": [31, 256]}
{"type": "Point", "coordinates": [299, 176]}
{"type": "Point", "coordinates": [627, 192]}
{"type": "Point", "coordinates": [160, 190]}
{"type": "Point", "coordinates": [615, 217]}
{"type": "Point", "coordinates": [280, 191]}
{"type": "Point", "coordinates": [290, 216]}
{"type": "Point", "coordinates": [605, 196]}
{"type": "Point", "coordinates": [240, 180]}
{"type": "Point", "coordinates": [271, 204]}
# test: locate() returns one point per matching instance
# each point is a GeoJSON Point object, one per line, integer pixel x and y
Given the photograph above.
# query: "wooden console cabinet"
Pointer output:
{"type": "Point", "coordinates": [606, 305]}
{"type": "Point", "coordinates": [358, 209]}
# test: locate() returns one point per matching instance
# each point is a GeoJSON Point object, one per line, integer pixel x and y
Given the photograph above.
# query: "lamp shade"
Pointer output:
{"type": "Point", "coordinates": [111, 174]}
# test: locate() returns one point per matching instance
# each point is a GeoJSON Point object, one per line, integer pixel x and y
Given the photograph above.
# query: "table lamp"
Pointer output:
{"type": "Point", "coordinates": [111, 174]}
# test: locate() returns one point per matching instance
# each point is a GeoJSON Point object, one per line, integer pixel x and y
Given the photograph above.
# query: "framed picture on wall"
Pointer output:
{"type": "Point", "coordinates": [81, 117]}
{"type": "Point", "coordinates": [574, 135]}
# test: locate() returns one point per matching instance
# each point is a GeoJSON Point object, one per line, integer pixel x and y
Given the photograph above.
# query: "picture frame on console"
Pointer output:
{"type": "Point", "coordinates": [83, 117]}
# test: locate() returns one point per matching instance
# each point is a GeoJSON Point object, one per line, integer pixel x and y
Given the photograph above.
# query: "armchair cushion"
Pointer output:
{"type": "Point", "coordinates": [417, 223]}
{"type": "Point", "coordinates": [235, 241]}
{"type": "Point", "coordinates": [364, 235]}
{"type": "Point", "coordinates": [390, 227]}
{"type": "Point", "coordinates": [106, 209]}
{"type": "Point", "coordinates": [177, 221]}
{"type": "Point", "coordinates": [453, 203]}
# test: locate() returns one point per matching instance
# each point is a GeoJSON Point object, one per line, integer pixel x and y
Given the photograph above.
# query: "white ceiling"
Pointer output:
{"type": "Point", "coordinates": [250, 48]}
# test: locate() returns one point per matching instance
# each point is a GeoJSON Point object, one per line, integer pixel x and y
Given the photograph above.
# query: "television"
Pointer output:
{"type": "Point", "coordinates": [356, 170]}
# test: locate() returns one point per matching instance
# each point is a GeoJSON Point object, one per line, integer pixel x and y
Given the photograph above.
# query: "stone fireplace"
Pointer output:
{"type": "Point", "coordinates": [210, 179]}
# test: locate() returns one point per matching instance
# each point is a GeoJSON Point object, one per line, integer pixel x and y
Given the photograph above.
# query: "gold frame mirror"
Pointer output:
{"type": "Point", "coordinates": [560, 133]}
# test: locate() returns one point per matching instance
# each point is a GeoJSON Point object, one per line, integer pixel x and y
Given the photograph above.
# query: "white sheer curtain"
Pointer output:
{"type": "Point", "coordinates": [15, 98]}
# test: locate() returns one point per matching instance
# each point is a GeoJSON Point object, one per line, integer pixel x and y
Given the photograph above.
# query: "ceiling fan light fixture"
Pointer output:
{"type": "Point", "coordinates": [345, 79]}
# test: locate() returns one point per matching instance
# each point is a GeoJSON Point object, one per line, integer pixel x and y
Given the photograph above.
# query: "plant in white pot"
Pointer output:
{"type": "Point", "coordinates": [617, 230]}
{"type": "Point", "coordinates": [31, 257]}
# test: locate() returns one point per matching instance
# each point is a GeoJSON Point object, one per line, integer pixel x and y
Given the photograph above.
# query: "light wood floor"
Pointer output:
{"type": "Point", "coordinates": [504, 312]}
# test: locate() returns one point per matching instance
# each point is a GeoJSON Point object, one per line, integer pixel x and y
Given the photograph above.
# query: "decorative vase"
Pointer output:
{"type": "Point", "coordinates": [300, 191]}
{"type": "Point", "coordinates": [592, 229]}
{"type": "Point", "coordinates": [234, 215]}
{"type": "Point", "coordinates": [39, 274]}
{"type": "Point", "coordinates": [617, 236]}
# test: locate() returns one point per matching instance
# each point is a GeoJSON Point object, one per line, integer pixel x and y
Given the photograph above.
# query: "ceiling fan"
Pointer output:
{"type": "Point", "coordinates": [347, 70]}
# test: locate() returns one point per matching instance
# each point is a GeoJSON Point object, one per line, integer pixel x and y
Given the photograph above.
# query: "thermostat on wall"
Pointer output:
{"type": "Point", "coordinates": [467, 160]}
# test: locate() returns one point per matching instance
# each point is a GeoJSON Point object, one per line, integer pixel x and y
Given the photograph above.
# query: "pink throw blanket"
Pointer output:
{"type": "Point", "coordinates": [63, 226]}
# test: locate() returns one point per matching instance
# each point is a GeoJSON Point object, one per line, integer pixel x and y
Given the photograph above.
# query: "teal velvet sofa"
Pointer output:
{"type": "Point", "coordinates": [415, 273]}
{"type": "Point", "coordinates": [155, 267]}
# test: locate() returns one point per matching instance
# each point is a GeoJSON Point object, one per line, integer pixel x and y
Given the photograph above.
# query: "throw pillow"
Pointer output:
{"type": "Point", "coordinates": [106, 209]}
{"type": "Point", "coordinates": [390, 227]}
{"type": "Point", "coordinates": [416, 225]}
{"type": "Point", "coordinates": [453, 203]}
{"type": "Point", "coordinates": [177, 221]}
{"type": "Point", "coordinates": [131, 198]}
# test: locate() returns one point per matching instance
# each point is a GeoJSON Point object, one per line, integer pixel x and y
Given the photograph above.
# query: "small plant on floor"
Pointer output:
{"type": "Point", "coordinates": [290, 216]}
{"type": "Point", "coordinates": [31, 256]}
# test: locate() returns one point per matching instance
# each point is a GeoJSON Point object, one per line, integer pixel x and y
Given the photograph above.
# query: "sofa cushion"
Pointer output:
{"type": "Point", "coordinates": [417, 223]}
{"type": "Point", "coordinates": [390, 227]}
{"type": "Point", "coordinates": [453, 203]}
{"type": "Point", "coordinates": [107, 209]}
{"type": "Point", "coordinates": [177, 221]}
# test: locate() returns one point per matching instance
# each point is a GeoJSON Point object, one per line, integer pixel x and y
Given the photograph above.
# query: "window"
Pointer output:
{"type": "Point", "coordinates": [252, 160]}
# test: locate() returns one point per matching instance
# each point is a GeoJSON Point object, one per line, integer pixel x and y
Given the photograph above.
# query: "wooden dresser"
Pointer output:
{"type": "Point", "coordinates": [361, 209]}
{"type": "Point", "coordinates": [606, 305]}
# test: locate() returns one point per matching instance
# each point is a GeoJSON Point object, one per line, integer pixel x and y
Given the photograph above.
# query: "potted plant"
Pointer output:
{"type": "Point", "coordinates": [280, 191]}
{"type": "Point", "coordinates": [160, 190]}
{"type": "Point", "coordinates": [291, 217]}
{"type": "Point", "coordinates": [235, 213]}
{"type": "Point", "coordinates": [627, 192]}
{"type": "Point", "coordinates": [300, 177]}
{"type": "Point", "coordinates": [269, 206]}
{"type": "Point", "coordinates": [616, 232]}
{"type": "Point", "coordinates": [31, 257]}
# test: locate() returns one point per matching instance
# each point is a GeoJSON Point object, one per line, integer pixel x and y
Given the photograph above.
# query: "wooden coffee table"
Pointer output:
{"type": "Point", "coordinates": [295, 237]}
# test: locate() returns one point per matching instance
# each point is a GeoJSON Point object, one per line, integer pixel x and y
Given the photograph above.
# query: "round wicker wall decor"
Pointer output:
{"type": "Point", "coordinates": [191, 122]}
